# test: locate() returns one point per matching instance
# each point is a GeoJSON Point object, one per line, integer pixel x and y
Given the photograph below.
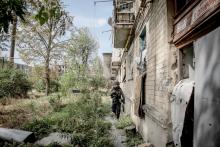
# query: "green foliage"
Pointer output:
{"type": "Point", "coordinates": [49, 10]}
{"type": "Point", "coordinates": [83, 119]}
{"type": "Point", "coordinates": [68, 80]}
{"type": "Point", "coordinates": [133, 139]}
{"type": "Point", "coordinates": [54, 86]}
{"type": "Point", "coordinates": [40, 85]}
{"type": "Point", "coordinates": [4, 41]}
{"type": "Point", "coordinates": [13, 83]}
{"type": "Point", "coordinates": [97, 81]}
{"type": "Point", "coordinates": [75, 80]}
{"type": "Point", "coordinates": [123, 122]}
{"type": "Point", "coordinates": [56, 102]}
{"type": "Point", "coordinates": [82, 47]}
{"type": "Point", "coordinates": [9, 8]}
{"type": "Point", "coordinates": [41, 128]}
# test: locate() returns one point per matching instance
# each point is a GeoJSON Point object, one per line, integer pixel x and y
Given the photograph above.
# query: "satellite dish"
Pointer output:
{"type": "Point", "coordinates": [110, 21]}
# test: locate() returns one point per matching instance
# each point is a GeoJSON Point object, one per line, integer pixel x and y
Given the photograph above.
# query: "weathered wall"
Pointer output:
{"type": "Point", "coordinates": [161, 56]}
{"type": "Point", "coordinates": [107, 58]}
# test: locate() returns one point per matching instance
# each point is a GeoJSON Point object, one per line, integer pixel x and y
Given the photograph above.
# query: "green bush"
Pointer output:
{"type": "Point", "coordinates": [84, 119]}
{"type": "Point", "coordinates": [124, 122]}
{"type": "Point", "coordinates": [68, 80]}
{"type": "Point", "coordinates": [40, 85]}
{"type": "Point", "coordinates": [56, 102]}
{"type": "Point", "coordinates": [13, 83]}
{"type": "Point", "coordinates": [97, 81]}
{"type": "Point", "coordinates": [133, 139]}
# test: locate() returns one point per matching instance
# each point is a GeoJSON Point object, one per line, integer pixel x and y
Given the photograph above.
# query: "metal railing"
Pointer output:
{"type": "Point", "coordinates": [124, 18]}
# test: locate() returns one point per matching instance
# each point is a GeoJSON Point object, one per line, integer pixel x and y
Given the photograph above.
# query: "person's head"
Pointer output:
{"type": "Point", "coordinates": [116, 84]}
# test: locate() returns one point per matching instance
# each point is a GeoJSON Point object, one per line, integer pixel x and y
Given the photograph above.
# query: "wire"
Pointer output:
{"type": "Point", "coordinates": [9, 57]}
{"type": "Point", "coordinates": [103, 1]}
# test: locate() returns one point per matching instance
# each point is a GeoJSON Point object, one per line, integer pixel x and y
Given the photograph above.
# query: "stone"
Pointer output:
{"type": "Point", "coordinates": [131, 129]}
{"type": "Point", "coordinates": [16, 135]}
{"type": "Point", "coordinates": [55, 138]}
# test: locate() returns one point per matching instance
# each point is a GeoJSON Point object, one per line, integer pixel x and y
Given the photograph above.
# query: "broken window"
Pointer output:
{"type": "Point", "coordinates": [143, 51]}
{"type": "Point", "coordinates": [123, 71]}
{"type": "Point", "coordinates": [188, 64]}
{"type": "Point", "coordinates": [130, 65]}
{"type": "Point", "coordinates": [125, 6]}
{"type": "Point", "coordinates": [143, 39]}
{"type": "Point", "coordinates": [181, 4]}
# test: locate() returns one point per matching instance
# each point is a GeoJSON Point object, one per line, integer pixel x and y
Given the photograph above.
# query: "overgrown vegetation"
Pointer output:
{"type": "Point", "coordinates": [13, 83]}
{"type": "Point", "coordinates": [60, 66]}
{"type": "Point", "coordinates": [123, 122]}
{"type": "Point", "coordinates": [40, 85]}
{"type": "Point", "coordinates": [83, 119]}
{"type": "Point", "coordinates": [133, 139]}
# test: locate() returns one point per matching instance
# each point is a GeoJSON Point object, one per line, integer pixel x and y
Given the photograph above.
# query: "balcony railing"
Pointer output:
{"type": "Point", "coordinates": [124, 18]}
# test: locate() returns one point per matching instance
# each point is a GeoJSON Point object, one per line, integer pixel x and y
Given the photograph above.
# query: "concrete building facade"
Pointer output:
{"type": "Point", "coordinates": [151, 35]}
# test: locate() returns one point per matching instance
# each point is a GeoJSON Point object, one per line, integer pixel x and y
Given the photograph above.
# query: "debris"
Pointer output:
{"type": "Point", "coordinates": [75, 91]}
{"type": "Point", "coordinates": [130, 129]}
{"type": "Point", "coordinates": [16, 135]}
{"type": "Point", "coordinates": [55, 138]}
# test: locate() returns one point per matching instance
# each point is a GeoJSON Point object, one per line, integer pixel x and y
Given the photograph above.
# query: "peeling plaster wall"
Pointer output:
{"type": "Point", "coordinates": [162, 75]}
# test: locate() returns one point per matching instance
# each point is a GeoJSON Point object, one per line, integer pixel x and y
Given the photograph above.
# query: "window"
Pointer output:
{"type": "Point", "coordinates": [126, 6]}
{"type": "Point", "coordinates": [130, 65]}
{"type": "Point", "coordinates": [142, 39]}
{"type": "Point", "coordinates": [143, 50]}
{"type": "Point", "coordinates": [188, 62]}
{"type": "Point", "coordinates": [180, 4]}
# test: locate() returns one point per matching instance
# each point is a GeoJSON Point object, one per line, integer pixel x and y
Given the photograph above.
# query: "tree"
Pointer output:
{"type": "Point", "coordinates": [4, 39]}
{"type": "Point", "coordinates": [13, 39]}
{"type": "Point", "coordinates": [8, 10]}
{"type": "Point", "coordinates": [82, 47]}
{"type": "Point", "coordinates": [40, 40]}
{"type": "Point", "coordinates": [97, 66]}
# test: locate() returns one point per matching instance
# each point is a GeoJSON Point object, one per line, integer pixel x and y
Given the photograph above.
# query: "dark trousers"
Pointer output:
{"type": "Point", "coordinates": [116, 108]}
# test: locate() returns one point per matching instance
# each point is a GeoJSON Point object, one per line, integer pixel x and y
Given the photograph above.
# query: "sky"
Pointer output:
{"type": "Point", "coordinates": [86, 14]}
{"type": "Point", "coordinates": [95, 17]}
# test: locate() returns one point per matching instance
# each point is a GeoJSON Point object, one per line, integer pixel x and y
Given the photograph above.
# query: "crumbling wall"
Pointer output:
{"type": "Point", "coordinates": [161, 56]}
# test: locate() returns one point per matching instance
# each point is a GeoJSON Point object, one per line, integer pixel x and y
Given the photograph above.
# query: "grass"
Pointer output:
{"type": "Point", "coordinates": [133, 139]}
{"type": "Point", "coordinates": [124, 122]}
{"type": "Point", "coordinates": [81, 116]}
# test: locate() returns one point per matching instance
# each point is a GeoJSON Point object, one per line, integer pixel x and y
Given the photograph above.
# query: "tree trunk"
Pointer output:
{"type": "Point", "coordinates": [47, 64]}
{"type": "Point", "coordinates": [47, 75]}
{"type": "Point", "coordinates": [13, 39]}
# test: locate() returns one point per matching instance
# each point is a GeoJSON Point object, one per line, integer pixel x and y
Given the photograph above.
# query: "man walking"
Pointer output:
{"type": "Point", "coordinates": [117, 98]}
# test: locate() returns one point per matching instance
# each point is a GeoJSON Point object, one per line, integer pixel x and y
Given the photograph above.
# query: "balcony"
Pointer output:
{"type": "Point", "coordinates": [122, 22]}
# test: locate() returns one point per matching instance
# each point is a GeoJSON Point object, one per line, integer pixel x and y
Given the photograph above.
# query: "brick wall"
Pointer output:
{"type": "Point", "coordinates": [157, 59]}
{"type": "Point", "coordinates": [160, 77]}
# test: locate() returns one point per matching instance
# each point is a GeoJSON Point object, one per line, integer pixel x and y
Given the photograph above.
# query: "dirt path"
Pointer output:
{"type": "Point", "coordinates": [118, 135]}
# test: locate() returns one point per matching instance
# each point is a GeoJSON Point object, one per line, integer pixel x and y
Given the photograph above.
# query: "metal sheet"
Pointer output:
{"type": "Point", "coordinates": [179, 100]}
{"type": "Point", "coordinates": [207, 91]}
{"type": "Point", "coordinates": [16, 135]}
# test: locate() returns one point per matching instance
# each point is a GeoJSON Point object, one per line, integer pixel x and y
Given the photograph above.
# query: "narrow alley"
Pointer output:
{"type": "Point", "coordinates": [110, 73]}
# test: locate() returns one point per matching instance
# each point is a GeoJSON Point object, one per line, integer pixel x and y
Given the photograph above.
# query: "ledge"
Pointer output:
{"type": "Point", "coordinates": [155, 115]}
